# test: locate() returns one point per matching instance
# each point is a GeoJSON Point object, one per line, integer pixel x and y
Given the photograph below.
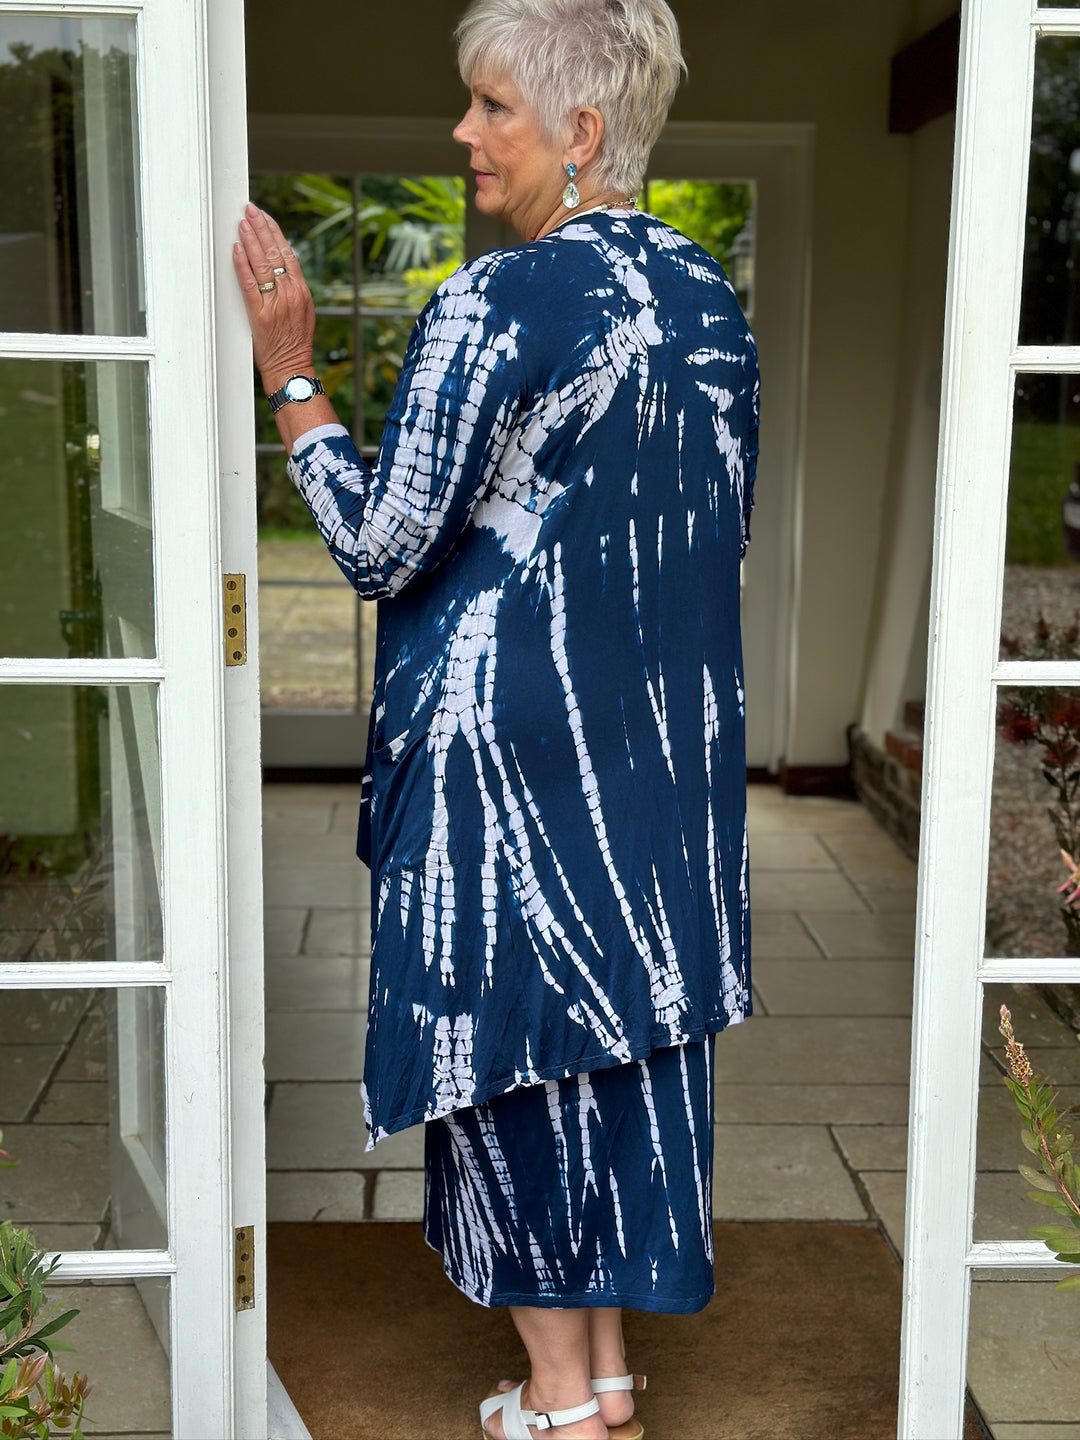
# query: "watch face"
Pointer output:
{"type": "Point", "coordinates": [299, 388]}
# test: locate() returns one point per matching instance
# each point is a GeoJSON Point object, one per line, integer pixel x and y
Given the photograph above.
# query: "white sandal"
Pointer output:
{"type": "Point", "coordinates": [632, 1429]}
{"type": "Point", "coordinates": [516, 1421]}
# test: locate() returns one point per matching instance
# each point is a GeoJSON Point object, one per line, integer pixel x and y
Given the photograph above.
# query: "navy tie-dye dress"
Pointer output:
{"type": "Point", "coordinates": [554, 811]}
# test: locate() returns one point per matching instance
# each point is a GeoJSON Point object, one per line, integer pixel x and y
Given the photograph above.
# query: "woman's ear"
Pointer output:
{"type": "Point", "coordinates": [586, 134]}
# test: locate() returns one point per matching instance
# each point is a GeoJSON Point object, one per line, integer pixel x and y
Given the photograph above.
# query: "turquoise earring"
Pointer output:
{"type": "Point", "coordinates": [571, 196]}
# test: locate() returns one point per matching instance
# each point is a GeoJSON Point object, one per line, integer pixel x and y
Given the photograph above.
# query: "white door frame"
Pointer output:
{"type": "Point", "coordinates": [211, 971]}
{"type": "Point", "coordinates": [982, 359]}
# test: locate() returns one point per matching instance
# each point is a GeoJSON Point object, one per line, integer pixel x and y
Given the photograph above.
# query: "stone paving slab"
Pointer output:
{"type": "Point", "coordinates": [339, 932]}
{"type": "Point", "coordinates": [789, 1172]}
{"type": "Point", "coordinates": [315, 1196]}
{"type": "Point", "coordinates": [781, 850]}
{"type": "Point", "coordinates": [888, 899]}
{"type": "Point", "coordinates": [341, 885]}
{"type": "Point", "coordinates": [887, 1190]}
{"type": "Point", "coordinates": [787, 812]}
{"type": "Point", "coordinates": [768, 1104]}
{"type": "Point", "coordinates": [23, 1071]}
{"type": "Point", "coordinates": [84, 1102]}
{"type": "Point", "coordinates": [315, 1045]}
{"type": "Point", "coordinates": [42, 1017]}
{"type": "Point", "coordinates": [1025, 1362]}
{"type": "Point", "coordinates": [1048, 1431]}
{"type": "Point", "coordinates": [88, 1058]}
{"type": "Point", "coordinates": [283, 929]}
{"type": "Point", "coordinates": [308, 982]}
{"type": "Point", "coordinates": [860, 937]}
{"type": "Point", "coordinates": [281, 847]}
{"type": "Point", "coordinates": [873, 1147]}
{"type": "Point", "coordinates": [834, 987]}
{"type": "Point", "coordinates": [115, 1344]}
{"type": "Point", "coordinates": [801, 889]}
{"type": "Point", "coordinates": [62, 1174]}
{"type": "Point", "coordinates": [399, 1195]}
{"type": "Point", "coordinates": [864, 1049]}
{"type": "Point", "coordinates": [1002, 1208]}
{"type": "Point", "coordinates": [320, 1126]}
{"type": "Point", "coordinates": [781, 936]}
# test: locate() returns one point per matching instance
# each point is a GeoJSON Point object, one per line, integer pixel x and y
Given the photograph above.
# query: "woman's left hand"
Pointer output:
{"type": "Point", "coordinates": [282, 318]}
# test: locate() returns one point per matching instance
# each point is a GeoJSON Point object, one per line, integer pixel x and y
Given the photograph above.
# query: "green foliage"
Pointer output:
{"type": "Point", "coordinates": [372, 251]}
{"type": "Point", "coordinates": [1044, 458]}
{"type": "Point", "coordinates": [36, 1400]}
{"type": "Point", "coordinates": [711, 214]}
{"type": "Point", "coordinates": [1047, 1136]}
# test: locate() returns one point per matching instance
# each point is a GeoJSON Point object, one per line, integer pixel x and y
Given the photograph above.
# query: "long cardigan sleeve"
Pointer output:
{"type": "Point", "coordinates": [555, 802]}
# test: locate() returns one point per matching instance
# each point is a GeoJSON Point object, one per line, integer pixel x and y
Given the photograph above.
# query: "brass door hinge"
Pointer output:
{"type": "Point", "coordinates": [244, 1267]}
{"type": "Point", "coordinates": [235, 593]}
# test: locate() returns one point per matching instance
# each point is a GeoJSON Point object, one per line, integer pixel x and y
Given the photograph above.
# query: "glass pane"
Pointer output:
{"type": "Point", "coordinates": [82, 1109]}
{"type": "Point", "coordinates": [1050, 303]}
{"type": "Point", "coordinates": [373, 249]}
{"type": "Point", "coordinates": [718, 216]}
{"type": "Point", "coordinates": [76, 573]}
{"type": "Point", "coordinates": [1045, 1020]}
{"type": "Point", "coordinates": [1031, 910]}
{"type": "Point", "coordinates": [1023, 1355]}
{"type": "Point", "coordinates": [69, 205]}
{"type": "Point", "coordinates": [80, 823]}
{"type": "Point", "coordinates": [120, 1341]}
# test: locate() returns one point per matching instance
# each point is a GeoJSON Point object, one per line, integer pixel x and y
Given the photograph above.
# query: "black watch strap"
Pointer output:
{"type": "Point", "coordinates": [291, 391]}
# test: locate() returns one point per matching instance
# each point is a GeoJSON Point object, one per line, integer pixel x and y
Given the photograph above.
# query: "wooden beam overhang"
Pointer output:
{"type": "Point", "coordinates": [924, 78]}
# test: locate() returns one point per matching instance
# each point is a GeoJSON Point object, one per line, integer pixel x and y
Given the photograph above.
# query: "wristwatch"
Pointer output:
{"type": "Point", "coordinates": [297, 387]}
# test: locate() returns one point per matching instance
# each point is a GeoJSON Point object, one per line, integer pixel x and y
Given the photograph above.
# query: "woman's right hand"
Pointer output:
{"type": "Point", "coordinates": [282, 319]}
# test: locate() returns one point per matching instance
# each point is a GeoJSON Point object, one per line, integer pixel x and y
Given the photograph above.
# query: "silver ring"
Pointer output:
{"type": "Point", "coordinates": [268, 286]}
{"type": "Point", "coordinates": [279, 270]}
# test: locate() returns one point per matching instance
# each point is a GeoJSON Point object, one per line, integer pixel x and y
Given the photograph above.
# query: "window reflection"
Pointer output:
{"type": "Point", "coordinates": [1042, 547]}
{"type": "Point", "coordinates": [80, 823]}
{"type": "Point", "coordinates": [69, 205]}
{"type": "Point", "coordinates": [718, 215]}
{"type": "Point", "coordinates": [373, 248]}
{"type": "Point", "coordinates": [1033, 891]}
{"type": "Point", "coordinates": [77, 580]}
{"type": "Point", "coordinates": [1050, 304]}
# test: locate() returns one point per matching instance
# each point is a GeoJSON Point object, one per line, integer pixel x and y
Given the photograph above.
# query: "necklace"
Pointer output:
{"type": "Point", "coordinates": [629, 203]}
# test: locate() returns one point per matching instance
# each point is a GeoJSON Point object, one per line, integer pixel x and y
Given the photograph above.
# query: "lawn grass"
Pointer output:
{"type": "Point", "coordinates": [1043, 462]}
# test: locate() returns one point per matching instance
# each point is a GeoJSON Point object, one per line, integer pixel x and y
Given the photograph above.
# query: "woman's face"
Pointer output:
{"type": "Point", "coordinates": [519, 172]}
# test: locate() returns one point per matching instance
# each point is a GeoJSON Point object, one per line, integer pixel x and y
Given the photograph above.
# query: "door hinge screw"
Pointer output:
{"type": "Point", "coordinates": [235, 592]}
{"type": "Point", "coordinates": [244, 1267]}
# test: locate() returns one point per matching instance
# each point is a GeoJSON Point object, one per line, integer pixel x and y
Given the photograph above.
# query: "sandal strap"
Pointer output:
{"type": "Point", "coordinates": [548, 1419]}
{"type": "Point", "coordinates": [619, 1382]}
{"type": "Point", "coordinates": [515, 1419]}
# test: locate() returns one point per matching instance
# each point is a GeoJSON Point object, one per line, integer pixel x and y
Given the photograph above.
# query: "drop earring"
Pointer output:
{"type": "Point", "coordinates": [571, 196]}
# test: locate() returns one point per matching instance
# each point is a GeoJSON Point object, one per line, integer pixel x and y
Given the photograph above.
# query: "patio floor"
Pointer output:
{"type": "Point", "coordinates": [811, 1095]}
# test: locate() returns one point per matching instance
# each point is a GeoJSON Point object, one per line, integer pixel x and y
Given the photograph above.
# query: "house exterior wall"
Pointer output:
{"type": "Point", "coordinates": [828, 65]}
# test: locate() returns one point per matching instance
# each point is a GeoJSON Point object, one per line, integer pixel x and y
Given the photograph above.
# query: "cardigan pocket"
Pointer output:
{"type": "Point", "coordinates": [409, 819]}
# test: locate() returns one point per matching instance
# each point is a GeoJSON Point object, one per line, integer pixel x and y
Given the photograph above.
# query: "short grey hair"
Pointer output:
{"type": "Point", "coordinates": [620, 56]}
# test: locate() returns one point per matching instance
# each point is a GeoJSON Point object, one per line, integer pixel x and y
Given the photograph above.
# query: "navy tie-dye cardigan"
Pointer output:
{"type": "Point", "coordinates": [554, 810]}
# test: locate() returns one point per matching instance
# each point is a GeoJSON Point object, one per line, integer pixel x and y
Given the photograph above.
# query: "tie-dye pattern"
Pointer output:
{"type": "Point", "coordinates": [554, 807]}
{"type": "Point", "coordinates": [592, 1190]}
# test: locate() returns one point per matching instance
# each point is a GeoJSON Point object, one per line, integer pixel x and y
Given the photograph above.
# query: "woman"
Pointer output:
{"type": "Point", "coordinates": [555, 811]}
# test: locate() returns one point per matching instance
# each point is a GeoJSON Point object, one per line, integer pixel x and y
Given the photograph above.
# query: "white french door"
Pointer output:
{"type": "Point", "coordinates": [1002, 560]}
{"type": "Point", "coordinates": [130, 903]}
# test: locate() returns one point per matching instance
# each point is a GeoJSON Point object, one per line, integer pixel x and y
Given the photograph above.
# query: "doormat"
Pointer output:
{"type": "Point", "coordinates": [801, 1342]}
